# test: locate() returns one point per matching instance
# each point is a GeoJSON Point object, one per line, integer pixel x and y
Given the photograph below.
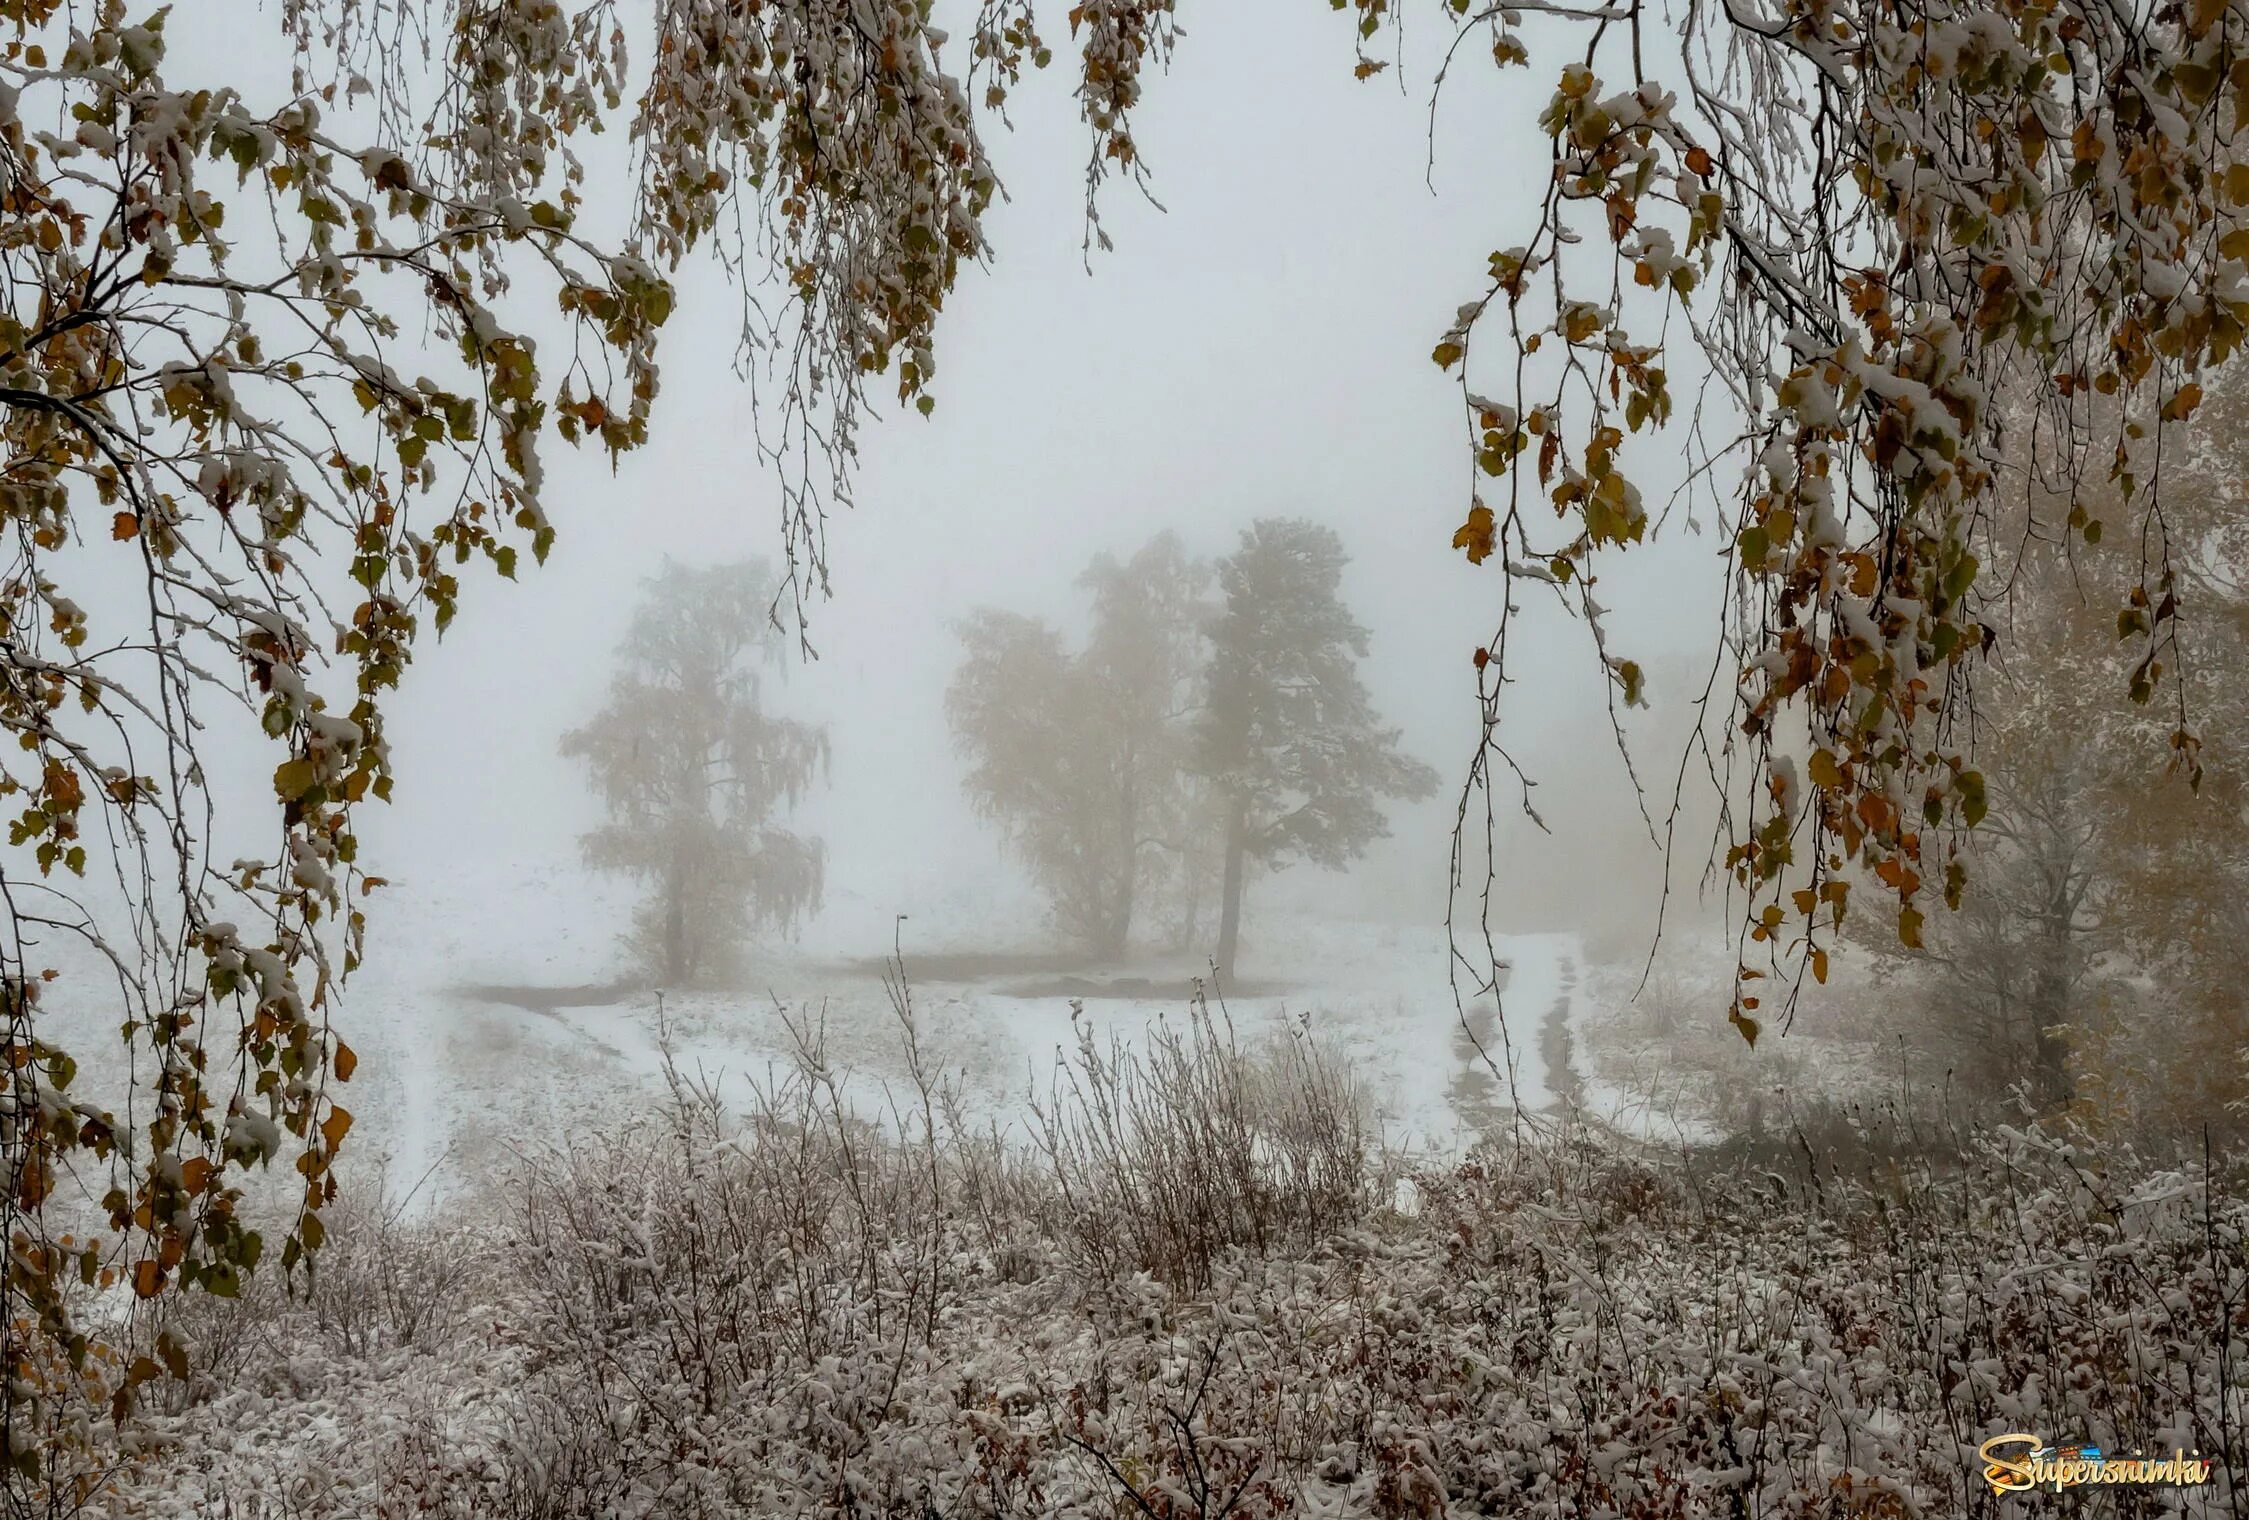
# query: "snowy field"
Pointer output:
{"type": "Point", "coordinates": [493, 1011]}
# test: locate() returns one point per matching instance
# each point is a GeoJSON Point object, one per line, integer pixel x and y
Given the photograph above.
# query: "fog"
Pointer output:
{"type": "Point", "coordinates": [1258, 346]}
{"type": "Point", "coordinates": [1255, 344]}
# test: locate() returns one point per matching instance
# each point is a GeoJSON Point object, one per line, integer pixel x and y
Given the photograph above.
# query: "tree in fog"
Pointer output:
{"type": "Point", "coordinates": [1083, 757]}
{"type": "Point", "coordinates": [2009, 969]}
{"type": "Point", "coordinates": [694, 767]}
{"type": "Point", "coordinates": [2097, 963]}
{"type": "Point", "coordinates": [1147, 656]}
{"type": "Point", "coordinates": [1290, 742]}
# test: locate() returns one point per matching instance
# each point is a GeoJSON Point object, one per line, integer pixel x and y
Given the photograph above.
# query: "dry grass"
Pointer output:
{"type": "Point", "coordinates": [1191, 1298]}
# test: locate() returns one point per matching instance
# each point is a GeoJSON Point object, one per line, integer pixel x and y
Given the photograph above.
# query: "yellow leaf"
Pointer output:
{"type": "Point", "coordinates": [1476, 534]}
{"type": "Point", "coordinates": [293, 778]}
{"type": "Point", "coordinates": [1909, 928]}
{"type": "Point", "coordinates": [124, 525]}
{"type": "Point", "coordinates": [336, 1125]}
{"type": "Point", "coordinates": [346, 1062]}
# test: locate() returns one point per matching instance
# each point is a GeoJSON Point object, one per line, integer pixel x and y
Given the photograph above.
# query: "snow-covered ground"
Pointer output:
{"type": "Point", "coordinates": [493, 1011]}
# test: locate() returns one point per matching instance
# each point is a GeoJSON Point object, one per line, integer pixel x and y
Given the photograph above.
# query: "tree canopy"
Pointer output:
{"type": "Point", "coordinates": [1894, 237]}
{"type": "Point", "coordinates": [693, 767]}
{"type": "Point", "coordinates": [1084, 757]}
{"type": "Point", "coordinates": [1291, 742]}
{"type": "Point", "coordinates": [2094, 957]}
{"type": "Point", "coordinates": [1186, 738]}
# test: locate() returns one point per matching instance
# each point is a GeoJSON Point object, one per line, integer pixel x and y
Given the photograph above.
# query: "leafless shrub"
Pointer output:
{"type": "Point", "coordinates": [383, 1284]}
{"type": "Point", "coordinates": [1181, 1304]}
{"type": "Point", "coordinates": [1169, 1156]}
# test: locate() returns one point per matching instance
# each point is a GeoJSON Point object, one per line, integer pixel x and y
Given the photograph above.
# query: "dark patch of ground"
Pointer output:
{"type": "Point", "coordinates": [967, 967]}
{"type": "Point", "coordinates": [550, 1000]}
{"type": "Point", "coordinates": [1131, 987]}
{"type": "Point", "coordinates": [1044, 974]}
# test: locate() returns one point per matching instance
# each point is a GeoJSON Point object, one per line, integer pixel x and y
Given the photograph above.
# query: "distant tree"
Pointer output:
{"type": "Point", "coordinates": [693, 768]}
{"type": "Point", "coordinates": [1146, 657]}
{"type": "Point", "coordinates": [1084, 758]}
{"type": "Point", "coordinates": [2010, 973]}
{"type": "Point", "coordinates": [1291, 743]}
{"type": "Point", "coordinates": [2096, 962]}
{"type": "Point", "coordinates": [1024, 720]}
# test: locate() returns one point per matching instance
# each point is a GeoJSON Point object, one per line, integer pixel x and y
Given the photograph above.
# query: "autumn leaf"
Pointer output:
{"type": "Point", "coordinates": [1477, 534]}
{"type": "Point", "coordinates": [125, 525]}
{"type": "Point", "coordinates": [335, 1126]}
{"type": "Point", "coordinates": [1632, 679]}
{"type": "Point", "coordinates": [346, 1062]}
{"type": "Point", "coordinates": [1909, 928]}
{"type": "Point", "coordinates": [293, 778]}
{"type": "Point", "coordinates": [148, 1278]}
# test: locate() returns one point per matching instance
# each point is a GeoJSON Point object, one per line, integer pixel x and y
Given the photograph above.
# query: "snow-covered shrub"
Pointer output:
{"type": "Point", "coordinates": [803, 1310]}
{"type": "Point", "coordinates": [1168, 1157]}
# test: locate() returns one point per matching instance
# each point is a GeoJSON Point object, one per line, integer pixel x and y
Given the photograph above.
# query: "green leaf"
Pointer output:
{"type": "Point", "coordinates": [1973, 803]}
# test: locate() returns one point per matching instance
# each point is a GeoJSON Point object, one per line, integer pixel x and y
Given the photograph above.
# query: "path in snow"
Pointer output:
{"type": "Point", "coordinates": [1515, 1052]}
{"type": "Point", "coordinates": [1556, 1047]}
